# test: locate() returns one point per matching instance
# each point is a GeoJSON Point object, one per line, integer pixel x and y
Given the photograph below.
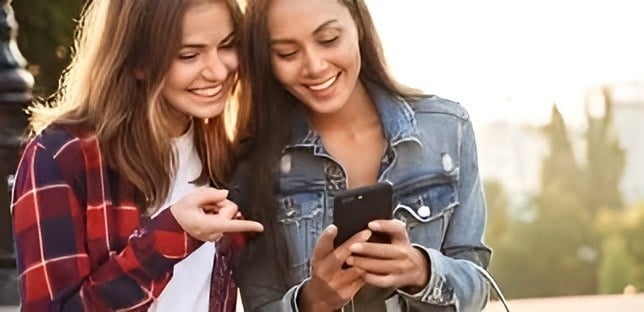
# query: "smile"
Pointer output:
{"type": "Point", "coordinates": [208, 92]}
{"type": "Point", "coordinates": [324, 85]}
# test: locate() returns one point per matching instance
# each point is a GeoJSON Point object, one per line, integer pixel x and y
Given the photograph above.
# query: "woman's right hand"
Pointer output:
{"type": "Point", "coordinates": [206, 214]}
{"type": "Point", "coordinates": [331, 287]}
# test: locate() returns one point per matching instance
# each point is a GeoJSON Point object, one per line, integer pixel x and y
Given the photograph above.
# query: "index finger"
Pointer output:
{"type": "Point", "coordinates": [217, 224]}
{"type": "Point", "coordinates": [343, 251]}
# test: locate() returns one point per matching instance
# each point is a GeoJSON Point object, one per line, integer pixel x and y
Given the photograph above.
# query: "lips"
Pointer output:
{"type": "Point", "coordinates": [324, 85]}
{"type": "Point", "coordinates": [208, 91]}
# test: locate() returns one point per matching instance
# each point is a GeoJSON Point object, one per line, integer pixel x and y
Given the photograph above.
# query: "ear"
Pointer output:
{"type": "Point", "coordinates": [139, 74]}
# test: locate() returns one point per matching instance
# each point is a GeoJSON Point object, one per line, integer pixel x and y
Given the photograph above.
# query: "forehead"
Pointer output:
{"type": "Point", "coordinates": [293, 17]}
{"type": "Point", "coordinates": [207, 18]}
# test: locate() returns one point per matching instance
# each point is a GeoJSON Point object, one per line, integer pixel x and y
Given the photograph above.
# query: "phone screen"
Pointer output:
{"type": "Point", "coordinates": [354, 209]}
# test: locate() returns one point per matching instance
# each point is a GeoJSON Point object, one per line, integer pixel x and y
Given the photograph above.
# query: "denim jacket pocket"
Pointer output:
{"type": "Point", "coordinates": [426, 211]}
{"type": "Point", "coordinates": [300, 219]}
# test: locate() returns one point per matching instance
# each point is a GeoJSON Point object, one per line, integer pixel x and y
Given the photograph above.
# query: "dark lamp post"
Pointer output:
{"type": "Point", "coordinates": [15, 95]}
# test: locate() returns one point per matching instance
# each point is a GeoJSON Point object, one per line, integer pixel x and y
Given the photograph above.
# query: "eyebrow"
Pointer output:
{"type": "Point", "coordinates": [201, 45]}
{"type": "Point", "coordinates": [317, 30]}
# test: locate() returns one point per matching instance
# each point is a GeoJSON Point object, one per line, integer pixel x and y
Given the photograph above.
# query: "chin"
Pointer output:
{"type": "Point", "coordinates": [209, 114]}
{"type": "Point", "coordinates": [326, 107]}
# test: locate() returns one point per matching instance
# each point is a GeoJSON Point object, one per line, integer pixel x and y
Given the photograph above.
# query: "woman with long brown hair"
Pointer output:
{"type": "Point", "coordinates": [330, 118]}
{"type": "Point", "coordinates": [137, 126]}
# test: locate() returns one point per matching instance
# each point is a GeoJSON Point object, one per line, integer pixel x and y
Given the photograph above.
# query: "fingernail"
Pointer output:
{"type": "Point", "coordinates": [374, 226]}
{"type": "Point", "coordinates": [355, 248]}
{"type": "Point", "coordinates": [350, 261]}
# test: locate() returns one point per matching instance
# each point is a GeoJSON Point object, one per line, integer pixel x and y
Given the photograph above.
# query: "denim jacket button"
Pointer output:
{"type": "Point", "coordinates": [448, 163]}
{"type": "Point", "coordinates": [285, 164]}
{"type": "Point", "coordinates": [424, 211]}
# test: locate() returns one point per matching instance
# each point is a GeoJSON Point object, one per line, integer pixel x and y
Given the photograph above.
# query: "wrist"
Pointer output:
{"type": "Point", "coordinates": [307, 300]}
{"type": "Point", "coordinates": [421, 274]}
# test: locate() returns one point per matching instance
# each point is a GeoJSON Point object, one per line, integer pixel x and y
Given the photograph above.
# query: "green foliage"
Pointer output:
{"type": "Point", "coordinates": [615, 267]}
{"type": "Point", "coordinates": [606, 160]}
{"type": "Point", "coordinates": [634, 233]}
{"type": "Point", "coordinates": [560, 166]}
{"type": "Point", "coordinates": [562, 236]}
{"type": "Point", "coordinates": [496, 231]}
{"type": "Point", "coordinates": [45, 35]}
{"type": "Point", "coordinates": [555, 253]}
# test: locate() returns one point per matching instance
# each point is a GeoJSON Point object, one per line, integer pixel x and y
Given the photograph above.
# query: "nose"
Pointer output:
{"type": "Point", "coordinates": [215, 69]}
{"type": "Point", "coordinates": [315, 63]}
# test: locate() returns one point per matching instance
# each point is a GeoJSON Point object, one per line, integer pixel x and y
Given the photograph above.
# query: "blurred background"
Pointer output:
{"type": "Point", "coordinates": [556, 93]}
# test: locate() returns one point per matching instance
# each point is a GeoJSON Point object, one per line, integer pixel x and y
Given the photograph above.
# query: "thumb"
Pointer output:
{"type": "Point", "coordinates": [206, 195]}
{"type": "Point", "coordinates": [324, 244]}
{"type": "Point", "coordinates": [227, 209]}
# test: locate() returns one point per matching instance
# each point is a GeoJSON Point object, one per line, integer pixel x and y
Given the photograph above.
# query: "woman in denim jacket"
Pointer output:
{"type": "Point", "coordinates": [329, 117]}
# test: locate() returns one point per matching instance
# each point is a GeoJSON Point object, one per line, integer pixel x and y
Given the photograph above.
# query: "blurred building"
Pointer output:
{"type": "Point", "coordinates": [511, 154]}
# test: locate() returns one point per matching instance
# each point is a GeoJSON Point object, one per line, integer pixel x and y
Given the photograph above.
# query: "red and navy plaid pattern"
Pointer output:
{"type": "Point", "coordinates": [81, 244]}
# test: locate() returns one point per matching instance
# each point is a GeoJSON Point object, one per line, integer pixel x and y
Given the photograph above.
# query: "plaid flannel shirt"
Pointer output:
{"type": "Point", "coordinates": [81, 243]}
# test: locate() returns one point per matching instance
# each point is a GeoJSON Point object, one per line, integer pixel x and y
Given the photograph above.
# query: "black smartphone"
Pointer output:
{"type": "Point", "coordinates": [354, 209]}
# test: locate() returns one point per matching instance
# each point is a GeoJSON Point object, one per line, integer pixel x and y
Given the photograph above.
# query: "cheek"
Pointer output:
{"type": "Point", "coordinates": [179, 76]}
{"type": "Point", "coordinates": [354, 60]}
{"type": "Point", "coordinates": [230, 59]}
{"type": "Point", "coordinates": [284, 72]}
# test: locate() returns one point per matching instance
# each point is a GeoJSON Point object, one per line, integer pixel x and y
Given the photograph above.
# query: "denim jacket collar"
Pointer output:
{"type": "Point", "coordinates": [397, 117]}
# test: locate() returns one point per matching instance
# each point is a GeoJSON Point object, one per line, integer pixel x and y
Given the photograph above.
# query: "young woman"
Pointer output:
{"type": "Point", "coordinates": [136, 128]}
{"type": "Point", "coordinates": [330, 117]}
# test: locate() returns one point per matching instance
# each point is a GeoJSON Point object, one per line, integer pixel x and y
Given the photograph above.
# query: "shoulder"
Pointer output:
{"type": "Point", "coordinates": [61, 139]}
{"type": "Point", "coordinates": [436, 105]}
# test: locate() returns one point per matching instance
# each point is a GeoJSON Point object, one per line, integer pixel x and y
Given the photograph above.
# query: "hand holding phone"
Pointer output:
{"type": "Point", "coordinates": [354, 209]}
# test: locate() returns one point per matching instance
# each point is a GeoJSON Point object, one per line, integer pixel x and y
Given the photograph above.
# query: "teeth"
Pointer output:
{"type": "Point", "coordinates": [208, 92]}
{"type": "Point", "coordinates": [323, 85]}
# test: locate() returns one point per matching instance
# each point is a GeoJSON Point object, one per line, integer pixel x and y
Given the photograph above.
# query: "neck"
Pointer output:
{"type": "Point", "coordinates": [178, 123]}
{"type": "Point", "coordinates": [358, 114]}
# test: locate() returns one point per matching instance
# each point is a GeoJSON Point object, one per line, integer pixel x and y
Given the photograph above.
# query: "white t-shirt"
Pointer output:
{"type": "Point", "coordinates": [189, 288]}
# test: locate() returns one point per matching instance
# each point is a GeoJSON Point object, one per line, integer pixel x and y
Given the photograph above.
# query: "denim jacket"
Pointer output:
{"type": "Point", "coordinates": [431, 161]}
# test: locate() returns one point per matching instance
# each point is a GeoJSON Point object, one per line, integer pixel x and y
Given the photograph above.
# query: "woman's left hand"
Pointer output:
{"type": "Point", "coordinates": [397, 264]}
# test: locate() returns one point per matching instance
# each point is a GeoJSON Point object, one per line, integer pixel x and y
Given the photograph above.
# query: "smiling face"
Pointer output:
{"type": "Point", "coordinates": [203, 72]}
{"type": "Point", "coordinates": [314, 52]}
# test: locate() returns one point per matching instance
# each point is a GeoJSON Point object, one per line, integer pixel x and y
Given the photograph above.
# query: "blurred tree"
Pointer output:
{"type": "Point", "coordinates": [563, 232]}
{"type": "Point", "coordinates": [634, 220]}
{"type": "Point", "coordinates": [559, 169]}
{"type": "Point", "coordinates": [45, 38]}
{"type": "Point", "coordinates": [555, 253]}
{"type": "Point", "coordinates": [605, 158]}
{"type": "Point", "coordinates": [496, 231]}
{"type": "Point", "coordinates": [615, 267]}
{"type": "Point", "coordinates": [605, 161]}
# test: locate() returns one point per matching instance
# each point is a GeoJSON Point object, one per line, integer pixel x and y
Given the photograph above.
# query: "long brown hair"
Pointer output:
{"type": "Point", "coordinates": [272, 106]}
{"type": "Point", "coordinates": [114, 40]}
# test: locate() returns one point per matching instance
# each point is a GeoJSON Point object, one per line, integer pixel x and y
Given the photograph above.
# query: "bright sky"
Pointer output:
{"type": "Point", "coordinates": [511, 59]}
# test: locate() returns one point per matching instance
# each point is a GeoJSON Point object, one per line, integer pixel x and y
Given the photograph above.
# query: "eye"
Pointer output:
{"type": "Point", "coordinates": [187, 56]}
{"type": "Point", "coordinates": [329, 40]}
{"type": "Point", "coordinates": [287, 54]}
